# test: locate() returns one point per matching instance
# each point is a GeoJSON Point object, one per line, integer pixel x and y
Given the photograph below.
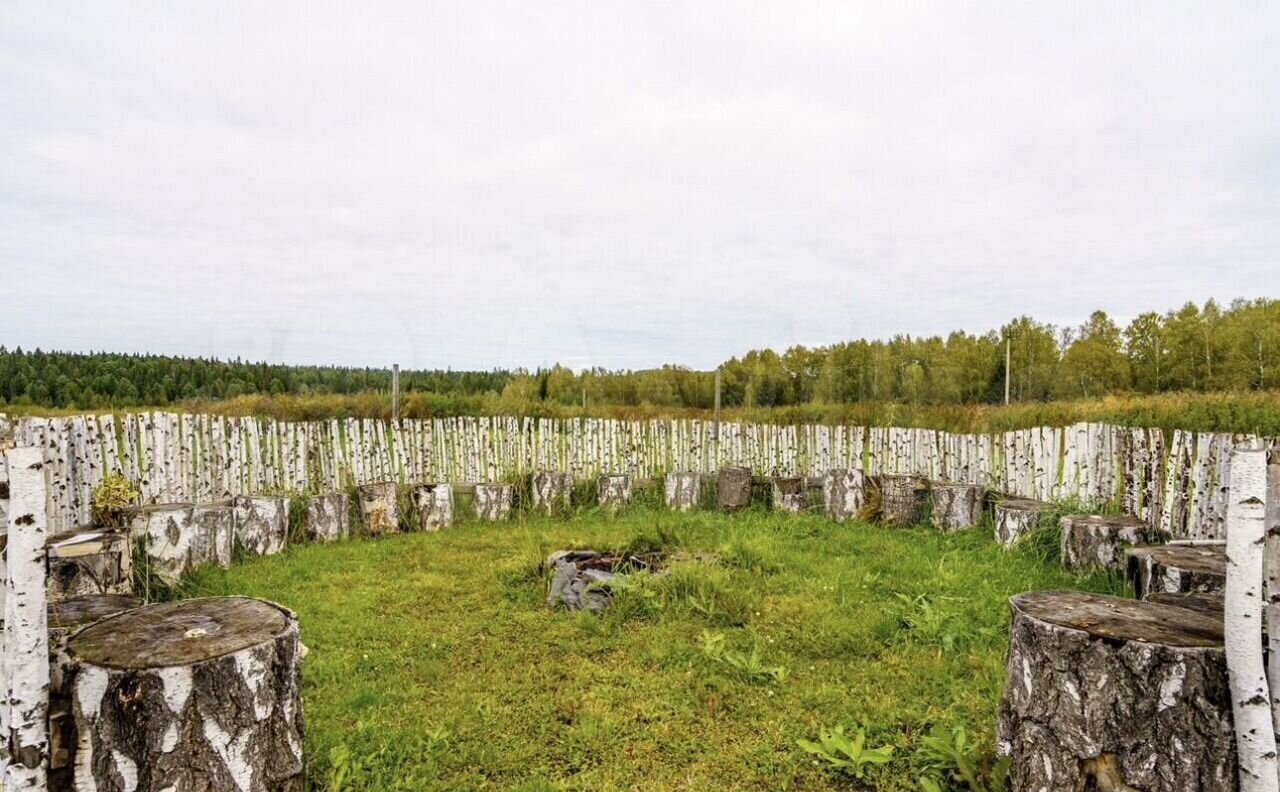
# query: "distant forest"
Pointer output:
{"type": "Point", "coordinates": [1194, 348]}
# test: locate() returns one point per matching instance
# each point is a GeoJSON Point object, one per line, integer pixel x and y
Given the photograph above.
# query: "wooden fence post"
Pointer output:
{"type": "Point", "coordinates": [26, 630]}
{"type": "Point", "coordinates": [1250, 695]}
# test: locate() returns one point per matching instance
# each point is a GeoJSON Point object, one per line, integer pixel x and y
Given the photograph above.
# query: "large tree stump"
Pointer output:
{"type": "Point", "coordinates": [733, 488]}
{"type": "Point", "coordinates": [493, 501]}
{"type": "Point", "coordinates": [956, 507]}
{"type": "Point", "coordinates": [904, 500]}
{"type": "Point", "coordinates": [552, 490]}
{"type": "Point", "coordinates": [380, 508]}
{"type": "Point", "coordinates": [193, 695]}
{"type": "Point", "coordinates": [177, 538]}
{"type": "Point", "coordinates": [262, 523]}
{"type": "Point", "coordinates": [1170, 569]}
{"type": "Point", "coordinates": [682, 490]}
{"type": "Point", "coordinates": [1114, 695]}
{"type": "Point", "coordinates": [1092, 541]}
{"type": "Point", "coordinates": [434, 503]}
{"type": "Point", "coordinates": [614, 490]}
{"type": "Point", "coordinates": [89, 562]}
{"type": "Point", "coordinates": [790, 494]}
{"type": "Point", "coordinates": [1017, 517]}
{"type": "Point", "coordinates": [842, 494]}
{"type": "Point", "coordinates": [65, 617]}
{"type": "Point", "coordinates": [328, 517]}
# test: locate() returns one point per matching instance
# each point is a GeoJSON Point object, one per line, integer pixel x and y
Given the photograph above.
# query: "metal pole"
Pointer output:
{"type": "Point", "coordinates": [395, 392]}
{"type": "Point", "coordinates": [1007, 359]}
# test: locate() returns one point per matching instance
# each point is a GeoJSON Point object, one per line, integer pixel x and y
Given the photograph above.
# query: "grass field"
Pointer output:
{"type": "Point", "coordinates": [435, 662]}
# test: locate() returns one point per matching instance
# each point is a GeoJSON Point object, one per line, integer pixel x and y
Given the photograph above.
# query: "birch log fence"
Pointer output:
{"type": "Point", "coordinates": [1172, 480]}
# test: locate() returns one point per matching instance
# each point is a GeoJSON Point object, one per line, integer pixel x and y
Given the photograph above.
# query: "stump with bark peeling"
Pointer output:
{"type": "Point", "coordinates": [904, 500]}
{"type": "Point", "coordinates": [328, 517]}
{"type": "Point", "coordinates": [733, 488]}
{"type": "Point", "coordinates": [493, 501]}
{"type": "Point", "coordinates": [551, 490]}
{"type": "Point", "coordinates": [1170, 569]}
{"type": "Point", "coordinates": [682, 490]}
{"type": "Point", "coordinates": [262, 523]}
{"type": "Point", "coordinates": [179, 537]}
{"type": "Point", "coordinates": [790, 494]}
{"type": "Point", "coordinates": [199, 694]}
{"type": "Point", "coordinates": [380, 508]}
{"type": "Point", "coordinates": [614, 490]}
{"type": "Point", "coordinates": [88, 562]}
{"type": "Point", "coordinates": [1092, 541]}
{"type": "Point", "coordinates": [1017, 517]}
{"type": "Point", "coordinates": [1110, 694]}
{"type": "Point", "coordinates": [434, 503]}
{"type": "Point", "coordinates": [956, 507]}
{"type": "Point", "coordinates": [842, 494]}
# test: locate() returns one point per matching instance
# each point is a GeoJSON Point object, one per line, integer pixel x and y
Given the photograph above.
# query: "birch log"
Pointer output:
{"type": "Point", "coordinates": [1017, 517]}
{"type": "Point", "coordinates": [904, 499]}
{"type": "Point", "coordinates": [790, 494]}
{"type": "Point", "coordinates": [200, 694]}
{"type": "Point", "coordinates": [551, 490]}
{"type": "Point", "coordinates": [842, 494]}
{"type": "Point", "coordinates": [380, 508]}
{"type": "Point", "coordinates": [176, 538]}
{"type": "Point", "coordinates": [493, 502]}
{"type": "Point", "coordinates": [1091, 541]}
{"type": "Point", "coordinates": [614, 490]}
{"type": "Point", "coordinates": [434, 503]}
{"type": "Point", "coordinates": [1242, 602]}
{"type": "Point", "coordinates": [262, 523]}
{"type": "Point", "coordinates": [1115, 695]}
{"type": "Point", "coordinates": [1171, 569]}
{"type": "Point", "coordinates": [328, 517]}
{"type": "Point", "coordinates": [1272, 567]}
{"type": "Point", "coordinates": [733, 488]}
{"type": "Point", "coordinates": [956, 507]}
{"type": "Point", "coordinates": [26, 630]}
{"type": "Point", "coordinates": [682, 490]}
{"type": "Point", "coordinates": [89, 562]}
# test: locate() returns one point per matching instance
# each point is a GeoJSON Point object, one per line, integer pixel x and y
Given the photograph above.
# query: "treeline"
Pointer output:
{"type": "Point", "coordinates": [1195, 348]}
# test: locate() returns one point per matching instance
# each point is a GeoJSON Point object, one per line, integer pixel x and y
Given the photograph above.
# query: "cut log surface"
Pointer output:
{"type": "Point", "coordinates": [1017, 517]}
{"type": "Point", "coordinates": [1115, 694]}
{"type": "Point", "coordinates": [614, 490]}
{"type": "Point", "coordinates": [551, 490]}
{"type": "Point", "coordinates": [328, 517]}
{"type": "Point", "coordinates": [733, 488]}
{"type": "Point", "coordinates": [380, 508]}
{"type": "Point", "coordinates": [842, 494]}
{"type": "Point", "coordinates": [1206, 603]}
{"type": "Point", "coordinates": [1173, 568]}
{"type": "Point", "coordinates": [262, 523]}
{"type": "Point", "coordinates": [903, 499]}
{"type": "Point", "coordinates": [682, 490]}
{"type": "Point", "coordinates": [493, 501]}
{"type": "Point", "coordinates": [193, 695]}
{"type": "Point", "coordinates": [790, 494]}
{"type": "Point", "coordinates": [1091, 541]}
{"type": "Point", "coordinates": [89, 562]}
{"type": "Point", "coordinates": [434, 503]}
{"type": "Point", "coordinates": [956, 507]}
{"type": "Point", "coordinates": [179, 537]}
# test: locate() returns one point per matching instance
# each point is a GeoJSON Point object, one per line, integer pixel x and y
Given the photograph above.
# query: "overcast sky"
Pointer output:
{"type": "Point", "coordinates": [476, 185]}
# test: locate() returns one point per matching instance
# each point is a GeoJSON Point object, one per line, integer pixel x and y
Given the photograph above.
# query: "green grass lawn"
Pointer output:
{"type": "Point", "coordinates": [435, 662]}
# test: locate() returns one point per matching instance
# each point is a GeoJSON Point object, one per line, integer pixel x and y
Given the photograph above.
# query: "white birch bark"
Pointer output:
{"type": "Point", "coordinates": [26, 631]}
{"type": "Point", "coordinates": [1250, 695]}
{"type": "Point", "coordinates": [1272, 568]}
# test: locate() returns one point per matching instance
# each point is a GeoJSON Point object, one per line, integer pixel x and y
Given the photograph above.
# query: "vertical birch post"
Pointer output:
{"type": "Point", "coordinates": [1250, 696]}
{"type": "Point", "coordinates": [26, 630]}
{"type": "Point", "coordinates": [1272, 568]}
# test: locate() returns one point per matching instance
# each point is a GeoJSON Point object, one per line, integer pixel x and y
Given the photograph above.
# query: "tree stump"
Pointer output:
{"type": "Point", "coordinates": [682, 490]}
{"type": "Point", "coordinates": [380, 508]}
{"type": "Point", "coordinates": [903, 499]}
{"type": "Point", "coordinates": [956, 507]}
{"type": "Point", "coordinates": [88, 562]}
{"type": "Point", "coordinates": [493, 502]}
{"type": "Point", "coordinates": [552, 490]}
{"type": "Point", "coordinates": [1170, 569]}
{"type": "Point", "coordinates": [1113, 694]}
{"type": "Point", "coordinates": [733, 488]}
{"type": "Point", "coordinates": [199, 694]}
{"type": "Point", "coordinates": [1208, 603]}
{"type": "Point", "coordinates": [1091, 541]}
{"type": "Point", "coordinates": [842, 494]}
{"type": "Point", "coordinates": [790, 494]}
{"type": "Point", "coordinates": [434, 503]}
{"type": "Point", "coordinates": [262, 523]}
{"type": "Point", "coordinates": [177, 538]}
{"type": "Point", "coordinates": [1017, 517]}
{"type": "Point", "coordinates": [328, 517]}
{"type": "Point", "coordinates": [614, 490]}
{"type": "Point", "coordinates": [65, 617]}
